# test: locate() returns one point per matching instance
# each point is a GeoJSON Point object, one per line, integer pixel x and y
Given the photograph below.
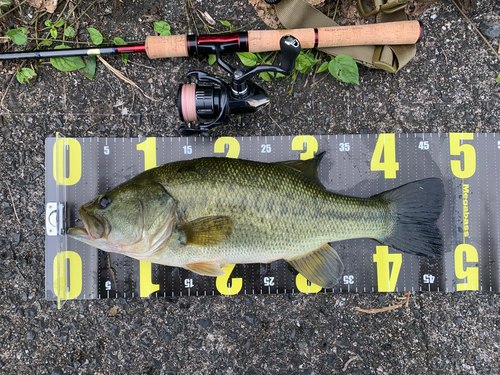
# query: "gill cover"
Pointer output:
{"type": "Point", "coordinates": [134, 218]}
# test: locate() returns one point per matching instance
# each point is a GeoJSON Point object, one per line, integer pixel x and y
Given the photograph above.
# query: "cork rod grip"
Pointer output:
{"type": "Point", "coordinates": [166, 46]}
{"type": "Point", "coordinates": [389, 33]}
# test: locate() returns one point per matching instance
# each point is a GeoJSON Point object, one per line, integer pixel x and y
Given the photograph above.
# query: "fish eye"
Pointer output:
{"type": "Point", "coordinates": [104, 202]}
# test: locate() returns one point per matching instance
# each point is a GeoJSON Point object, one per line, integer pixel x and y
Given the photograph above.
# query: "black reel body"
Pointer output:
{"type": "Point", "coordinates": [212, 100]}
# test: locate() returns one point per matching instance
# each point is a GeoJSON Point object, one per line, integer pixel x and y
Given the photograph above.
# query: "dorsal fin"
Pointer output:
{"type": "Point", "coordinates": [309, 167]}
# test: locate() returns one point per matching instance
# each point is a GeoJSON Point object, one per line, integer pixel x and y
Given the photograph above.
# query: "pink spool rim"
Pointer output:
{"type": "Point", "coordinates": [188, 102]}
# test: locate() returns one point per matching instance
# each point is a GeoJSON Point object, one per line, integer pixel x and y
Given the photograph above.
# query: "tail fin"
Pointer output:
{"type": "Point", "coordinates": [415, 209]}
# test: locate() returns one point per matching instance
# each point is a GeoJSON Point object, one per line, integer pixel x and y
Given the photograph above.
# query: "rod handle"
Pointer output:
{"type": "Point", "coordinates": [166, 46]}
{"type": "Point", "coordinates": [388, 33]}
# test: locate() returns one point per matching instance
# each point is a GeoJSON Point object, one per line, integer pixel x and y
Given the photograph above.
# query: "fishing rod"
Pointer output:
{"type": "Point", "coordinates": [389, 33]}
{"type": "Point", "coordinates": [212, 101]}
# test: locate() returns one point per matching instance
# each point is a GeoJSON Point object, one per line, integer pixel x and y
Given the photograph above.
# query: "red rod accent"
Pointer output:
{"type": "Point", "coordinates": [131, 49]}
{"type": "Point", "coordinates": [202, 39]}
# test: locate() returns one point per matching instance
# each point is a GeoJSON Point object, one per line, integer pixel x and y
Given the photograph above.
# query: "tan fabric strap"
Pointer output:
{"type": "Point", "coordinates": [294, 14]}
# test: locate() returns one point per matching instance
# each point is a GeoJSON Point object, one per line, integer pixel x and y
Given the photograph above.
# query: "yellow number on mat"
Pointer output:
{"type": "Point", "coordinates": [469, 155]}
{"type": "Point", "coordinates": [146, 285]}
{"type": "Point", "coordinates": [386, 147]}
{"type": "Point", "coordinates": [233, 145]}
{"type": "Point", "coordinates": [311, 146]}
{"type": "Point", "coordinates": [149, 149]}
{"type": "Point", "coordinates": [61, 270]}
{"type": "Point", "coordinates": [469, 273]}
{"type": "Point", "coordinates": [70, 163]}
{"type": "Point", "coordinates": [386, 280]}
{"type": "Point", "coordinates": [305, 286]}
{"type": "Point", "coordinates": [222, 282]}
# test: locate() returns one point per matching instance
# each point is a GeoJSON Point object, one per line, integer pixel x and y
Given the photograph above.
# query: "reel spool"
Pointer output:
{"type": "Point", "coordinates": [212, 101]}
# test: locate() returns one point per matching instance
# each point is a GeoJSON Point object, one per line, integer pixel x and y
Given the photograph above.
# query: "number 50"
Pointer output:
{"type": "Point", "coordinates": [469, 155]}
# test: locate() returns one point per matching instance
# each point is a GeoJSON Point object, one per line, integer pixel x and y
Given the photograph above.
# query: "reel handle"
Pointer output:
{"type": "Point", "coordinates": [290, 49]}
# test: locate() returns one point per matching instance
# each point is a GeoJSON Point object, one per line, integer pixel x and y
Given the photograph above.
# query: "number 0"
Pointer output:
{"type": "Point", "coordinates": [67, 161]}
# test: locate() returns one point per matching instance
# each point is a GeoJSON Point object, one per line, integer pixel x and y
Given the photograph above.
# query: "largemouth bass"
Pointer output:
{"type": "Point", "coordinates": [204, 213]}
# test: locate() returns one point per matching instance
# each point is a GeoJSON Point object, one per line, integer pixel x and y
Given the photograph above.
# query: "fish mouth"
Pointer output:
{"type": "Point", "coordinates": [94, 227]}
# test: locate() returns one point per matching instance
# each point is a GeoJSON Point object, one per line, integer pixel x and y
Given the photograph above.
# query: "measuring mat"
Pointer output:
{"type": "Point", "coordinates": [78, 169]}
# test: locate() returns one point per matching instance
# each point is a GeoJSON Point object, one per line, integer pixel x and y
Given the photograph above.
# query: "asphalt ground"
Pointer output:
{"type": "Point", "coordinates": [449, 86]}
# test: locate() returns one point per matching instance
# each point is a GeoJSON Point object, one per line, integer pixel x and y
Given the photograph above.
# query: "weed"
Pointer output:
{"type": "Point", "coordinates": [342, 67]}
{"type": "Point", "coordinates": [162, 28]}
{"type": "Point", "coordinates": [25, 74]}
{"type": "Point", "coordinates": [228, 24]}
{"type": "Point", "coordinates": [18, 36]}
{"type": "Point", "coordinates": [60, 30]}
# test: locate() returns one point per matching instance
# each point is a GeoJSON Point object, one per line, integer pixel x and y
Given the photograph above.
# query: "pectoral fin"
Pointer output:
{"type": "Point", "coordinates": [322, 266]}
{"type": "Point", "coordinates": [206, 231]}
{"type": "Point", "coordinates": [205, 268]}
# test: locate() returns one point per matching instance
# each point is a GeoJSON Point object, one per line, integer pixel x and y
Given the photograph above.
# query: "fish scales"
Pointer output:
{"type": "Point", "coordinates": [277, 211]}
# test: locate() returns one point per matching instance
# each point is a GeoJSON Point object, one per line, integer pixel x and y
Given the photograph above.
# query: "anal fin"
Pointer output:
{"type": "Point", "coordinates": [322, 266]}
{"type": "Point", "coordinates": [205, 268]}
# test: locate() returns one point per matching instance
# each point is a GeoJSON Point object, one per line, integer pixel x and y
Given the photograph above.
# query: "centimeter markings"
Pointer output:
{"type": "Point", "coordinates": [354, 165]}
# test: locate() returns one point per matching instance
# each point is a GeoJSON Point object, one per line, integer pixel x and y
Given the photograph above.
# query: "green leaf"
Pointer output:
{"type": "Point", "coordinates": [344, 68]}
{"type": "Point", "coordinates": [279, 75]}
{"type": "Point", "coordinates": [69, 32]}
{"type": "Point", "coordinates": [162, 28]}
{"type": "Point", "coordinates": [46, 42]}
{"type": "Point", "coordinates": [262, 56]}
{"type": "Point", "coordinates": [18, 36]}
{"type": "Point", "coordinates": [225, 23]}
{"type": "Point", "coordinates": [305, 62]}
{"type": "Point", "coordinates": [265, 76]}
{"type": "Point", "coordinates": [59, 23]}
{"type": "Point", "coordinates": [212, 59]}
{"type": "Point", "coordinates": [301, 63]}
{"type": "Point", "coordinates": [498, 78]}
{"type": "Point", "coordinates": [323, 67]}
{"type": "Point", "coordinates": [119, 42]}
{"type": "Point", "coordinates": [48, 23]}
{"type": "Point", "coordinates": [89, 69]}
{"type": "Point", "coordinates": [247, 58]}
{"type": "Point", "coordinates": [25, 74]}
{"type": "Point", "coordinates": [95, 35]}
{"type": "Point", "coordinates": [67, 64]}
{"type": "Point", "coordinates": [53, 32]}
{"type": "Point", "coordinates": [20, 77]}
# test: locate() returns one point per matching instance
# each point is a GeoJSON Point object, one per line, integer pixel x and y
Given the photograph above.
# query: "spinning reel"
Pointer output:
{"type": "Point", "coordinates": [212, 100]}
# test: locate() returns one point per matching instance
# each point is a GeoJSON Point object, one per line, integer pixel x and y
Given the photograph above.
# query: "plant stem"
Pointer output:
{"type": "Point", "coordinates": [477, 30]}
{"type": "Point", "coordinates": [13, 9]}
{"type": "Point", "coordinates": [84, 12]}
